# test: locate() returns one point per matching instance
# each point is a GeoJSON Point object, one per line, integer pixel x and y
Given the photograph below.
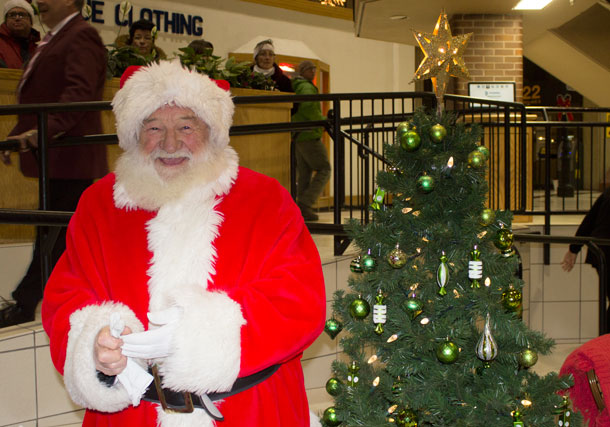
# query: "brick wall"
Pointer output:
{"type": "Point", "coordinates": [495, 50]}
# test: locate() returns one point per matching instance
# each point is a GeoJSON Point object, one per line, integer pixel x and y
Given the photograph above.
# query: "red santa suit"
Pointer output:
{"type": "Point", "coordinates": [233, 253]}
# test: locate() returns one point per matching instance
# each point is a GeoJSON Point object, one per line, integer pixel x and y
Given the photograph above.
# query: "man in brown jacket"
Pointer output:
{"type": "Point", "coordinates": [68, 66]}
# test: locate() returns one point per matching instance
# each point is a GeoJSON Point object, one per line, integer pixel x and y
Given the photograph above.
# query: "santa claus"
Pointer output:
{"type": "Point", "coordinates": [190, 286]}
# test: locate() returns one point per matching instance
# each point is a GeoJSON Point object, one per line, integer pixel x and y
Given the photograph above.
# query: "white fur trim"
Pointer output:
{"type": "Point", "coordinates": [207, 343]}
{"type": "Point", "coordinates": [167, 82]}
{"type": "Point", "coordinates": [180, 238]}
{"type": "Point", "coordinates": [208, 338]}
{"type": "Point", "coordinates": [80, 375]}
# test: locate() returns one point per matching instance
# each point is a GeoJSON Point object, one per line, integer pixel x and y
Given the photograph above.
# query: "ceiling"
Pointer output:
{"type": "Point", "coordinates": [568, 28]}
{"type": "Point", "coordinates": [372, 17]}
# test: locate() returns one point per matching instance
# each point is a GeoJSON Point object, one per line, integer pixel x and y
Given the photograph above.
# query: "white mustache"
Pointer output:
{"type": "Point", "coordinates": [162, 154]}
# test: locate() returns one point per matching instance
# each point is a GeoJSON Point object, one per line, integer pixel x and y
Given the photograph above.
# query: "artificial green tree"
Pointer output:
{"type": "Point", "coordinates": [431, 326]}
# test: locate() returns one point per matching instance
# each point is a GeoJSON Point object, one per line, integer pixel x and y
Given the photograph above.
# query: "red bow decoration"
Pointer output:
{"type": "Point", "coordinates": [565, 101]}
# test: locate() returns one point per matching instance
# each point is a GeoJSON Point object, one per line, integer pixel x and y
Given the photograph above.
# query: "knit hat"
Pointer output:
{"type": "Point", "coordinates": [11, 4]}
{"type": "Point", "coordinates": [264, 45]}
{"type": "Point", "coordinates": [304, 66]}
{"type": "Point", "coordinates": [149, 88]}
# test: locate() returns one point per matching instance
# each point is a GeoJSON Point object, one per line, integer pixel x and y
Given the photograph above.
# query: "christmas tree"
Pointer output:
{"type": "Point", "coordinates": [431, 325]}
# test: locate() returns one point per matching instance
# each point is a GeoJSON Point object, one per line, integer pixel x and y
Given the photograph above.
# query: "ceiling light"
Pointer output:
{"type": "Point", "coordinates": [531, 4]}
{"type": "Point", "coordinates": [398, 17]}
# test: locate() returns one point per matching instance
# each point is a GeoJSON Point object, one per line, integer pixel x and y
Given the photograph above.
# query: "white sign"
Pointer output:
{"type": "Point", "coordinates": [494, 91]}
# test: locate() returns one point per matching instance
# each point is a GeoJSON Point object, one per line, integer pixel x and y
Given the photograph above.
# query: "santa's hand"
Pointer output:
{"type": "Point", "coordinates": [157, 342]}
{"type": "Point", "coordinates": [107, 352]}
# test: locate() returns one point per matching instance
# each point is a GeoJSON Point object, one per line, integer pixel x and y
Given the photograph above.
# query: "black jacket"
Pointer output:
{"type": "Point", "coordinates": [596, 224]}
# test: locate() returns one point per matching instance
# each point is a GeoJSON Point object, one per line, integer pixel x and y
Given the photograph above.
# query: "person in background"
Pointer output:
{"type": "Point", "coordinates": [595, 224]}
{"type": "Point", "coordinates": [264, 63]}
{"type": "Point", "coordinates": [17, 37]}
{"type": "Point", "coordinates": [69, 65]}
{"type": "Point", "coordinates": [152, 275]}
{"type": "Point", "coordinates": [202, 47]}
{"type": "Point", "coordinates": [142, 39]}
{"type": "Point", "coordinates": [313, 167]}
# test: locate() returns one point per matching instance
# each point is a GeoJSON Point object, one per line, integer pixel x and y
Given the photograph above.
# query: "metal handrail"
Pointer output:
{"type": "Point", "coordinates": [509, 116]}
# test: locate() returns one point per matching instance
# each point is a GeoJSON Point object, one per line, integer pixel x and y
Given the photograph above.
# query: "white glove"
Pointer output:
{"type": "Point", "coordinates": [154, 343]}
{"type": "Point", "coordinates": [134, 378]}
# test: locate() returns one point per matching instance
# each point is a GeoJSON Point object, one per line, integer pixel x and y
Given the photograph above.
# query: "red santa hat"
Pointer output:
{"type": "Point", "coordinates": [146, 89]}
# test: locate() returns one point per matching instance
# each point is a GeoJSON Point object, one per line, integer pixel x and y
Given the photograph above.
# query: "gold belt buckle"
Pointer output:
{"type": "Point", "coordinates": [596, 390]}
{"type": "Point", "coordinates": [188, 401]}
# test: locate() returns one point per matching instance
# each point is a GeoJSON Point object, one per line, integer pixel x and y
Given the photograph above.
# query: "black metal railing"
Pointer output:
{"type": "Point", "coordinates": [570, 158]}
{"type": "Point", "coordinates": [359, 125]}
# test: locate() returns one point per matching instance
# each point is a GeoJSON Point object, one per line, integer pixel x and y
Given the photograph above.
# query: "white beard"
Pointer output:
{"type": "Point", "coordinates": [137, 174]}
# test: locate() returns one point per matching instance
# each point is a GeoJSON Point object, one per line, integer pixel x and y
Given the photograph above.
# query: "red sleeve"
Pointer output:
{"type": "Point", "coordinates": [279, 282]}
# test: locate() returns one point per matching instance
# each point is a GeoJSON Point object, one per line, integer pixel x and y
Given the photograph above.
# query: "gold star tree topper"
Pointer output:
{"type": "Point", "coordinates": [443, 56]}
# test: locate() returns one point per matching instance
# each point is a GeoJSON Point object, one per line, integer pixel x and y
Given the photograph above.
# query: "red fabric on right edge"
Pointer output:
{"type": "Point", "coordinates": [594, 354]}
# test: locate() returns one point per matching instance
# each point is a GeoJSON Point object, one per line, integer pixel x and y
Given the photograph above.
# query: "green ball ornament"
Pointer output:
{"type": "Point", "coordinates": [511, 300]}
{"type": "Point", "coordinates": [368, 262]}
{"type": "Point", "coordinates": [330, 417]}
{"type": "Point", "coordinates": [403, 128]}
{"type": "Point", "coordinates": [359, 308]}
{"type": "Point", "coordinates": [487, 217]}
{"type": "Point", "coordinates": [484, 151]}
{"type": "Point", "coordinates": [356, 265]}
{"type": "Point", "coordinates": [410, 141]}
{"type": "Point", "coordinates": [528, 358]}
{"type": "Point", "coordinates": [447, 352]}
{"type": "Point", "coordinates": [406, 418]}
{"type": "Point", "coordinates": [425, 183]}
{"type": "Point", "coordinates": [397, 258]}
{"type": "Point", "coordinates": [332, 327]}
{"type": "Point", "coordinates": [413, 306]}
{"type": "Point", "coordinates": [334, 387]}
{"type": "Point", "coordinates": [503, 240]}
{"type": "Point", "coordinates": [438, 133]}
{"type": "Point", "coordinates": [476, 159]}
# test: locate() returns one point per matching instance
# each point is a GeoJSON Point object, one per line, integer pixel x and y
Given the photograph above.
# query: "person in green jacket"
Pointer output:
{"type": "Point", "coordinates": [313, 167]}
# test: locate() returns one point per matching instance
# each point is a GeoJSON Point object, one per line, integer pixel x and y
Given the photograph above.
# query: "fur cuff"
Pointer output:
{"type": "Point", "coordinates": [80, 375]}
{"type": "Point", "coordinates": [207, 343]}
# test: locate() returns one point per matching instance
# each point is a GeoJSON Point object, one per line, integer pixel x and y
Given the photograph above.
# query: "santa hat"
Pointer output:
{"type": "Point", "coordinates": [146, 89]}
{"type": "Point", "coordinates": [11, 4]}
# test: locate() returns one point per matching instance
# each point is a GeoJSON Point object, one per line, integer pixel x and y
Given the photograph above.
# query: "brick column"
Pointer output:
{"type": "Point", "coordinates": [495, 50]}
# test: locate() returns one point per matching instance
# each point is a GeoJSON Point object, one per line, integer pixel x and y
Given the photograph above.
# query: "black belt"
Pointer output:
{"type": "Point", "coordinates": [185, 402]}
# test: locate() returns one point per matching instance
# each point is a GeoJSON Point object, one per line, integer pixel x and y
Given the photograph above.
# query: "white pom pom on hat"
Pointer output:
{"type": "Point", "coordinates": [146, 89]}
